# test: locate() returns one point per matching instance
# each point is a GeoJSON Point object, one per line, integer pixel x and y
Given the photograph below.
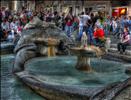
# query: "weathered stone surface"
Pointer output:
{"type": "Point", "coordinates": [60, 92]}
{"type": "Point", "coordinates": [6, 48]}
{"type": "Point", "coordinates": [56, 92]}
{"type": "Point", "coordinates": [112, 90]}
{"type": "Point", "coordinates": [124, 94]}
{"type": "Point", "coordinates": [16, 49]}
{"type": "Point", "coordinates": [22, 56]}
{"type": "Point", "coordinates": [128, 70]}
{"type": "Point", "coordinates": [36, 22]}
{"type": "Point", "coordinates": [117, 57]}
{"type": "Point", "coordinates": [114, 50]}
{"type": "Point", "coordinates": [36, 29]}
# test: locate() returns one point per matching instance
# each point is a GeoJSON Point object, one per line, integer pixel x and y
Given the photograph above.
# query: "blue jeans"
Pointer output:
{"type": "Point", "coordinates": [107, 30]}
{"type": "Point", "coordinates": [68, 30]}
{"type": "Point", "coordinates": [117, 32]}
{"type": "Point", "coordinates": [90, 35]}
{"type": "Point", "coordinates": [80, 32]}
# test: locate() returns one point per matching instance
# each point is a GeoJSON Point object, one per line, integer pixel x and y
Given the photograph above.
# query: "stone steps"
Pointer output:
{"type": "Point", "coordinates": [118, 57]}
{"type": "Point", "coordinates": [115, 46]}
{"type": "Point", "coordinates": [115, 55]}
{"type": "Point", "coordinates": [114, 50]}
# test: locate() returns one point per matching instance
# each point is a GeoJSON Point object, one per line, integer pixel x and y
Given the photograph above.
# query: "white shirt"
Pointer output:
{"type": "Point", "coordinates": [5, 25]}
{"type": "Point", "coordinates": [81, 21]}
{"type": "Point", "coordinates": [114, 24]}
{"type": "Point", "coordinates": [85, 19]}
{"type": "Point", "coordinates": [13, 26]}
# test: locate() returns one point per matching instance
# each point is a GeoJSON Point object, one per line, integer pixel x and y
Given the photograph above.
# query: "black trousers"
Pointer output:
{"type": "Point", "coordinates": [99, 42]}
{"type": "Point", "coordinates": [85, 29]}
{"type": "Point", "coordinates": [122, 46]}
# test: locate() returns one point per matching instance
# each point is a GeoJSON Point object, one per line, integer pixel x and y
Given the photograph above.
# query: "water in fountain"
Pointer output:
{"type": "Point", "coordinates": [61, 71]}
{"type": "Point", "coordinates": [11, 88]}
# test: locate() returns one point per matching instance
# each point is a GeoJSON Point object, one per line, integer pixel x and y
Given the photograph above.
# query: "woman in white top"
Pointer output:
{"type": "Point", "coordinates": [5, 25]}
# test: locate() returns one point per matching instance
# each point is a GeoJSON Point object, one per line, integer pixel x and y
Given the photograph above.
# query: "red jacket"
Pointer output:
{"type": "Point", "coordinates": [99, 33]}
{"type": "Point", "coordinates": [69, 23]}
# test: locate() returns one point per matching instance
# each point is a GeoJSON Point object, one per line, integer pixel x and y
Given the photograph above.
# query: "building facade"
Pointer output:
{"type": "Point", "coordinates": [6, 4]}
{"type": "Point", "coordinates": [73, 6]}
{"type": "Point", "coordinates": [13, 4]}
{"type": "Point", "coordinates": [121, 8]}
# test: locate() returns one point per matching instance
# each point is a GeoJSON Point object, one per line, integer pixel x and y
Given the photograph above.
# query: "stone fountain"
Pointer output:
{"type": "Point", "coordinates": [84, 53]}
{"type": "Point", "coordinates": [50, 43]}
{"type": "Point", "coordinates": [56, 78]}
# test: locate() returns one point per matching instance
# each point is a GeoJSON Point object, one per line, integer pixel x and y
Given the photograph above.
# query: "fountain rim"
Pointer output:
{"type": "Point", "coordinates": [66, 91]}
{"type": "Point", "coordinates": [71, 91]}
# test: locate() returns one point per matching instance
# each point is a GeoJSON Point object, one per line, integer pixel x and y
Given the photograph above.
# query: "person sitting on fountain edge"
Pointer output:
{"type": "Point", "coordinates": [99, 36]}
{"type": "Point", "coordinates": [125, 41]}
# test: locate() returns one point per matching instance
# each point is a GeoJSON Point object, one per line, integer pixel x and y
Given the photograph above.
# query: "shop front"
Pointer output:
{"type": "Point", "coordinates": [121, 7]}
{"type": "Point", "coordinates": [119, 11]}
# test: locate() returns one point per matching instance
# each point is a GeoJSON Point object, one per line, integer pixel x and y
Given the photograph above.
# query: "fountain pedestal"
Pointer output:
{"type": "Point", "coordinates": [51, 51]}
{"type": "Point", "coordinates": [50, 43]}
{"type": "Point", "coordinates": [83, 57]}
{"type": "Point", "coordinates": [83, 63]}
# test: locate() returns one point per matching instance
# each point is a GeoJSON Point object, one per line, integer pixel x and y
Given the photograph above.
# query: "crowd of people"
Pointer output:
{"type": "Point", "coordinates": [96, 27]}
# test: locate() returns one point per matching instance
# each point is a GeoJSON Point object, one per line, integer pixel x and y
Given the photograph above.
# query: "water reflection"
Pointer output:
{"type": "Point", "coordinates": [62, 71]}
{"type": "Point", "coordinates": [12, 88]}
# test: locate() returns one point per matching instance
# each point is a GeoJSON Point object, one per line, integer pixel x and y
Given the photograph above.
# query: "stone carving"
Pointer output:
{"type": "Point", "coordinates": [128, 70]}
{"type": "Point", "coordinates": [26, 47]}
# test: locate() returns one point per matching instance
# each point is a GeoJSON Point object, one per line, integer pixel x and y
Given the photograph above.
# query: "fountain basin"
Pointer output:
{"type": "Point", "coordinates": [6, 48]}
{"type": "Point", "coordinates": [57, 69]}
{"type": "Point", "coordinates": [11, 87]}
{"type": "Point", "coordinates": [57, 79]}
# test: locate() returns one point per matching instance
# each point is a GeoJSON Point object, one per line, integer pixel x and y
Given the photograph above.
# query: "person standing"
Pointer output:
{"type": "Point", "coordinates": [90, 31]}
{"type": "Point", "coordinates": [81, 24]}
{"type": "Point", "coordinates": [63, 21]}
{"type": "Point", "coordinates": [86, 17]}
{"type": "Point", "coordinates": [68, 27]}
{"type": "Point", "coordinates": [114, 25]}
